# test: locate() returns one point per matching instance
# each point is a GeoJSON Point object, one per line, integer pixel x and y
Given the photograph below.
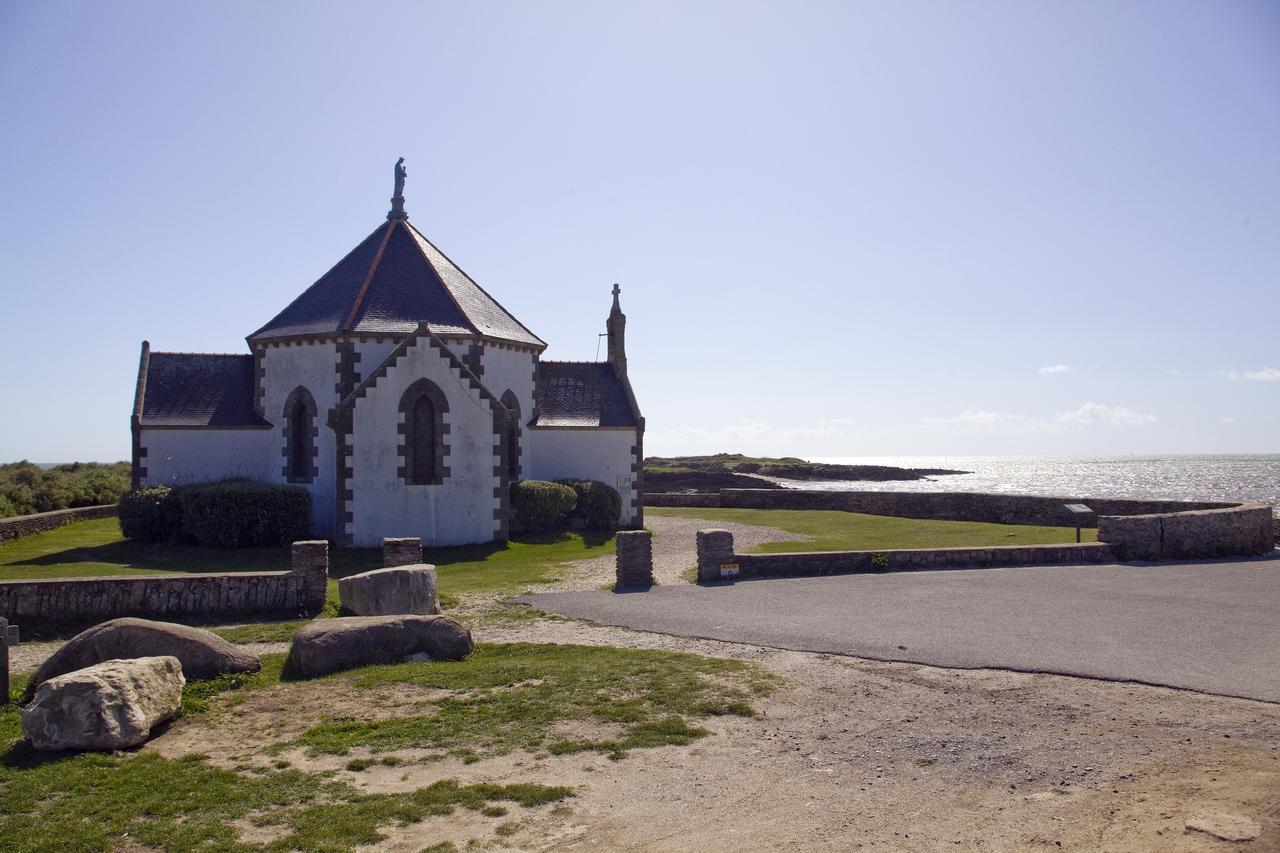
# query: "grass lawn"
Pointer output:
{"type": "Point", "coordinates": [833, 530]}
{"type": "Point", "coordinates": [96, 548]}
{"type": "Point", "coordinates": [502, 698]}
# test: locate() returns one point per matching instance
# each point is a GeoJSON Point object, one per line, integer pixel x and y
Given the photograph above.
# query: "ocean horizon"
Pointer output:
{"type": "Point", "coordinates": [1253, 477]}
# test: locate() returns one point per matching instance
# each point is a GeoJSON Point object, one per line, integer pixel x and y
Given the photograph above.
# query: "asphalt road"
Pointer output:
{"type": "Point", "coordinates": [1207, 626]}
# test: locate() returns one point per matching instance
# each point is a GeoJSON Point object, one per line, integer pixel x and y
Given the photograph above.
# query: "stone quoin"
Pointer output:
{"type": "Point", "coordinates": [401, 395]}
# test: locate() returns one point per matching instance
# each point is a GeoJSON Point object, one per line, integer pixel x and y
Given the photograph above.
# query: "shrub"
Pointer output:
{"type": "Point", "coordinates": [245, 513]}
{"type": "Point", "coordinates": [599, 505]}
{"type": "Point", "coordinates": [150, 514]}
{"type": "Point", "coordinates": [540, 505]}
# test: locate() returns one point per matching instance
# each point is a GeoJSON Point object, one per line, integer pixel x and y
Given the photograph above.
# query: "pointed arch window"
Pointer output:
{"type": "Point", "coordinates": [300, 433]}
{"type": "Point", "coordinates": [511, 439]}
{"type": "Point", "coordinates": [424, 448]}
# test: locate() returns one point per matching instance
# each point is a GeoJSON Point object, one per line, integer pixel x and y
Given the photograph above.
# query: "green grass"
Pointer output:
{"type": "Point", "coordinates": [99, 802]}
{"type": "Point", "coordinates": [96, 548]}
{"type": "Point", "coordinates": [833, 530]}
{"type": "Point", "coordinates": [507, 697]}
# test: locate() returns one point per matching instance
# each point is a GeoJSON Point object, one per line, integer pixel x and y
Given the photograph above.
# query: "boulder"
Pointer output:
{"type": "Point", "coordinates": [111, 705]}
{"type": "Point", "coordinates": [393, 591]}
{"type": "Point", "coordinates": [203, 654]}
{"type": "Point", "coordinates": [332, 645]}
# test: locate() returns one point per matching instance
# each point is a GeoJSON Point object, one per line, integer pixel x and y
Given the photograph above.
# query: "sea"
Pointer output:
{"type": "Point", "coordinates": [1253, 477]}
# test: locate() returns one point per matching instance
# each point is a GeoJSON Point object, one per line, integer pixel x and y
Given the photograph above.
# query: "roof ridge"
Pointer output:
{"type": "Point", "coordinates": [364, 287]}
{"type": "Point", "coordinates": [468, 277]}
{"type": "Point", "coordinates": [213, 354]}
{"type": "Point", "coordinates": [444, 284]}
{"type": "Point", "coordinates": [311, 287]}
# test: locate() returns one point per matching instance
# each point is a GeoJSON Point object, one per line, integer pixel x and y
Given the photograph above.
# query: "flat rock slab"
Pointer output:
{"type": "Point", "coordinates": [393, 591]}
{"type": "Point", "coordinates": [1227, 827]}
{"type": "Point", "coordinates": [203, 654]}
{"type": "Point", "coordinates": [111, 705]}
{"type": "Point", "coordinates": [1207, 626]}
{"type": "Point", "coordinates": [333, 645]}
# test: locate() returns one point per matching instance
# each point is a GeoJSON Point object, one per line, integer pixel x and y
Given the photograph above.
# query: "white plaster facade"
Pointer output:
{"type": "Point", "coordinates": [395, 312]}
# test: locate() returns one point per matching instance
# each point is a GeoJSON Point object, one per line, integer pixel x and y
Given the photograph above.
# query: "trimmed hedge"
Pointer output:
{"type": "Point", "coordinates": [223, 514]}
{"type": "Point", "coordinates": [540, 505]}
{"type": "Point", "coordinates": [150, 514]}
{"type": "Point", "coordinates": [245, 513]}
{"type": "Point", "coordinates": [599, 505]}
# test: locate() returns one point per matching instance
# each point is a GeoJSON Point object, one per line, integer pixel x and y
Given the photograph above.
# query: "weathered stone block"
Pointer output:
{"type": "Point", "coordinates": [202, 654]}
{"type": "Point", "coordinates": [111, 705]}
{"type": "Point", "coordinates": [715, 547]}
{"type": "Point", "coordinates": [405, 551]}
{"type": "Point", "coordinates": [333, 645]}
{"type": "Point", "coordinates": [391, 591]}
{"type": "Point", "coordinates": [634, 560]}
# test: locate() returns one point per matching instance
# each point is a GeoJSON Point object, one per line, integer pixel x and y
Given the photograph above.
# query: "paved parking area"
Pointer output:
{"type": "Point", "coordinates": [1211, 626]}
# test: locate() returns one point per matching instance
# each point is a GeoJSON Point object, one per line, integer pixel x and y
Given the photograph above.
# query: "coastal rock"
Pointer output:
{"type": "Point", "coordinates": [333, 645]}
{"type": "Point", "coordinates": [202, 654]}
{"type": "Point", "coordinates": [111, 705]}
{"type": "Point", "coordinates": [391, 591]}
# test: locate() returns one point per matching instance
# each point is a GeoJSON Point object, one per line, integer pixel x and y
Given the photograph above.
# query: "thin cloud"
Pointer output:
{"type": "Point", "coordinates": [1056, 368]}
{"type": "Point", "coordinates": [1266, 374]}
{"type": "Point", "coordinates": [1090, 414]}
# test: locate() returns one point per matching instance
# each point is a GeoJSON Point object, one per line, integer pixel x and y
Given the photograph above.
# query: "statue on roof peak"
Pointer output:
{"type": "Point", "coordinates": [401, 174]}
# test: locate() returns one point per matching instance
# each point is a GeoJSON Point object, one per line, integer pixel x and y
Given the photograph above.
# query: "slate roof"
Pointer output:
{"type": "Point", "coordinates": [389, 284]}
{"type": "Point", "coordinates": [199, 390]}
{"type": "Point", "coordinates": [580, 394]}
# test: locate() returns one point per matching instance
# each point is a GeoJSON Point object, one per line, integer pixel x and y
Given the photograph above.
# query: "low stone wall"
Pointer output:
{"type": "Point", "coordinates": [703, 499]}
{"type": "Point", "coordinates": [1241, 530]}
{"type": "Point", "coordinates": [922, 560]}
{"type": "Point", "coordinates": [715, 549]}
{"type": "Point", "coordinates": [33, 604]}
{"type": "Point", "coordinates": [959, 506]}
{"type": "Point", "coordinates": [25, 525]}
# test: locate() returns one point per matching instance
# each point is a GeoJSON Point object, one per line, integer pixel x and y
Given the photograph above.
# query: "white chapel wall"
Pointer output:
{"type": "Point", "coordinates": [588, 454]}
{"type": "Point", "coordinates": [312, 366]}
{"type": "Point", "coordinates": [458, 511]}
{"type": "Point", "coordinates": [199, 455]}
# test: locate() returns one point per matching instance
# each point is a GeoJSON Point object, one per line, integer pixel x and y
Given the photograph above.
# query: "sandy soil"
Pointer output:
{"type": "Point", "coordinates": [846, 754]}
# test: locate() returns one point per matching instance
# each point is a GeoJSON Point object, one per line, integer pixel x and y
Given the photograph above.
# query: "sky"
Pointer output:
{"type": "Point", "coordinates": [840, 229]}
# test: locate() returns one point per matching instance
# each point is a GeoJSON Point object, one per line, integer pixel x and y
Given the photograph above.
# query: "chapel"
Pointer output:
{"type": "Point", "coordinates": [401, 395]}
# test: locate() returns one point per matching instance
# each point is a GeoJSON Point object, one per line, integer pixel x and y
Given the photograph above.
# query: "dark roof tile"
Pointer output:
{"type": "Point", "coordinates": [393, 281]}
{"type": "Point", "coordinates": [199, 390]}
{"type": "Point", "coordinates": [580, 394]}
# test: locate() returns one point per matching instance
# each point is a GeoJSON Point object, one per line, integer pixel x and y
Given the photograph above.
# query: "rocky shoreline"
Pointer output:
{"type": "Point", "coordinates": [735, 471]}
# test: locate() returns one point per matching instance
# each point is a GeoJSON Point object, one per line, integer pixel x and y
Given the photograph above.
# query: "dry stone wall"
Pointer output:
{"type": "Point", "coordinates": [959, 506]}
{"type": "Point", "coordinates": [1241, 530]}
{"type": "Point", "coordinates": [25, 525]}
{"type": "Point", "coordinates": [70, 601]}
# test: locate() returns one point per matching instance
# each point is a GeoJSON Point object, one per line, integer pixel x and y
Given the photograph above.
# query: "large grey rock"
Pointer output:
{"type": "Point", "coordinates": [332, 645]}
{"type": "Point", "coordinates": [203, 654]}
{"type": "Point", "coordinates": [111, 705]}
{"type": "Point", "coordinates": [392, 591]}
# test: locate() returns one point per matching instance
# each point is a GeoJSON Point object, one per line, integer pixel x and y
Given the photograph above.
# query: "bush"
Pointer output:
{"type": "Point", "coordinates": [599, 505]}
{"type": "Point", "coordinates": [540, 505]}
{"type": "Point", "coordinates": [244, 514]}
{"type": "Point", "coordinates": [150, 514]}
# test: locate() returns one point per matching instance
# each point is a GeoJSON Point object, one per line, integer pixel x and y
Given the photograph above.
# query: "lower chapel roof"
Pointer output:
{"type": "Point", "coordinates": [205, 390]}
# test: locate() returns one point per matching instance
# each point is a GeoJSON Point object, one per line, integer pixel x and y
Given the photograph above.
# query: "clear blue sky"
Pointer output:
{"type": "Point", "coordinates": [840, 228]}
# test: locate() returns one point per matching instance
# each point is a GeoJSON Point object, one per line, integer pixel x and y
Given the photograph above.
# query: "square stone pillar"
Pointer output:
{"type": "Point", "coordinates": [634, 559]}
{"type": "Point", "coordinates": [715, 547]}
{"type": "Point", "coordinates": [311, 560]}
{"type": "Point", "coordinates": [402, 552]}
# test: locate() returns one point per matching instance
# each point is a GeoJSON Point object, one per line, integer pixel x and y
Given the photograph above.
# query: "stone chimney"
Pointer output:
{"type": "Point", "coordinates": [617, 326]}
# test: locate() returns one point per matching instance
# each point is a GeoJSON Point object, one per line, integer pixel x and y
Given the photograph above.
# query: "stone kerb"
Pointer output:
{"type": "Point", "coordinates": [406, 551]}
{"type": "Point", "coordinates": [715, 548]}
{"type": "Point", "coordinates": [634, 560]}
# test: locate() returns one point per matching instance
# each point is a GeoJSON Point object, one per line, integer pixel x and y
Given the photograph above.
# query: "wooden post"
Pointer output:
{"type": "Point", "coordinates": [8, 637]}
